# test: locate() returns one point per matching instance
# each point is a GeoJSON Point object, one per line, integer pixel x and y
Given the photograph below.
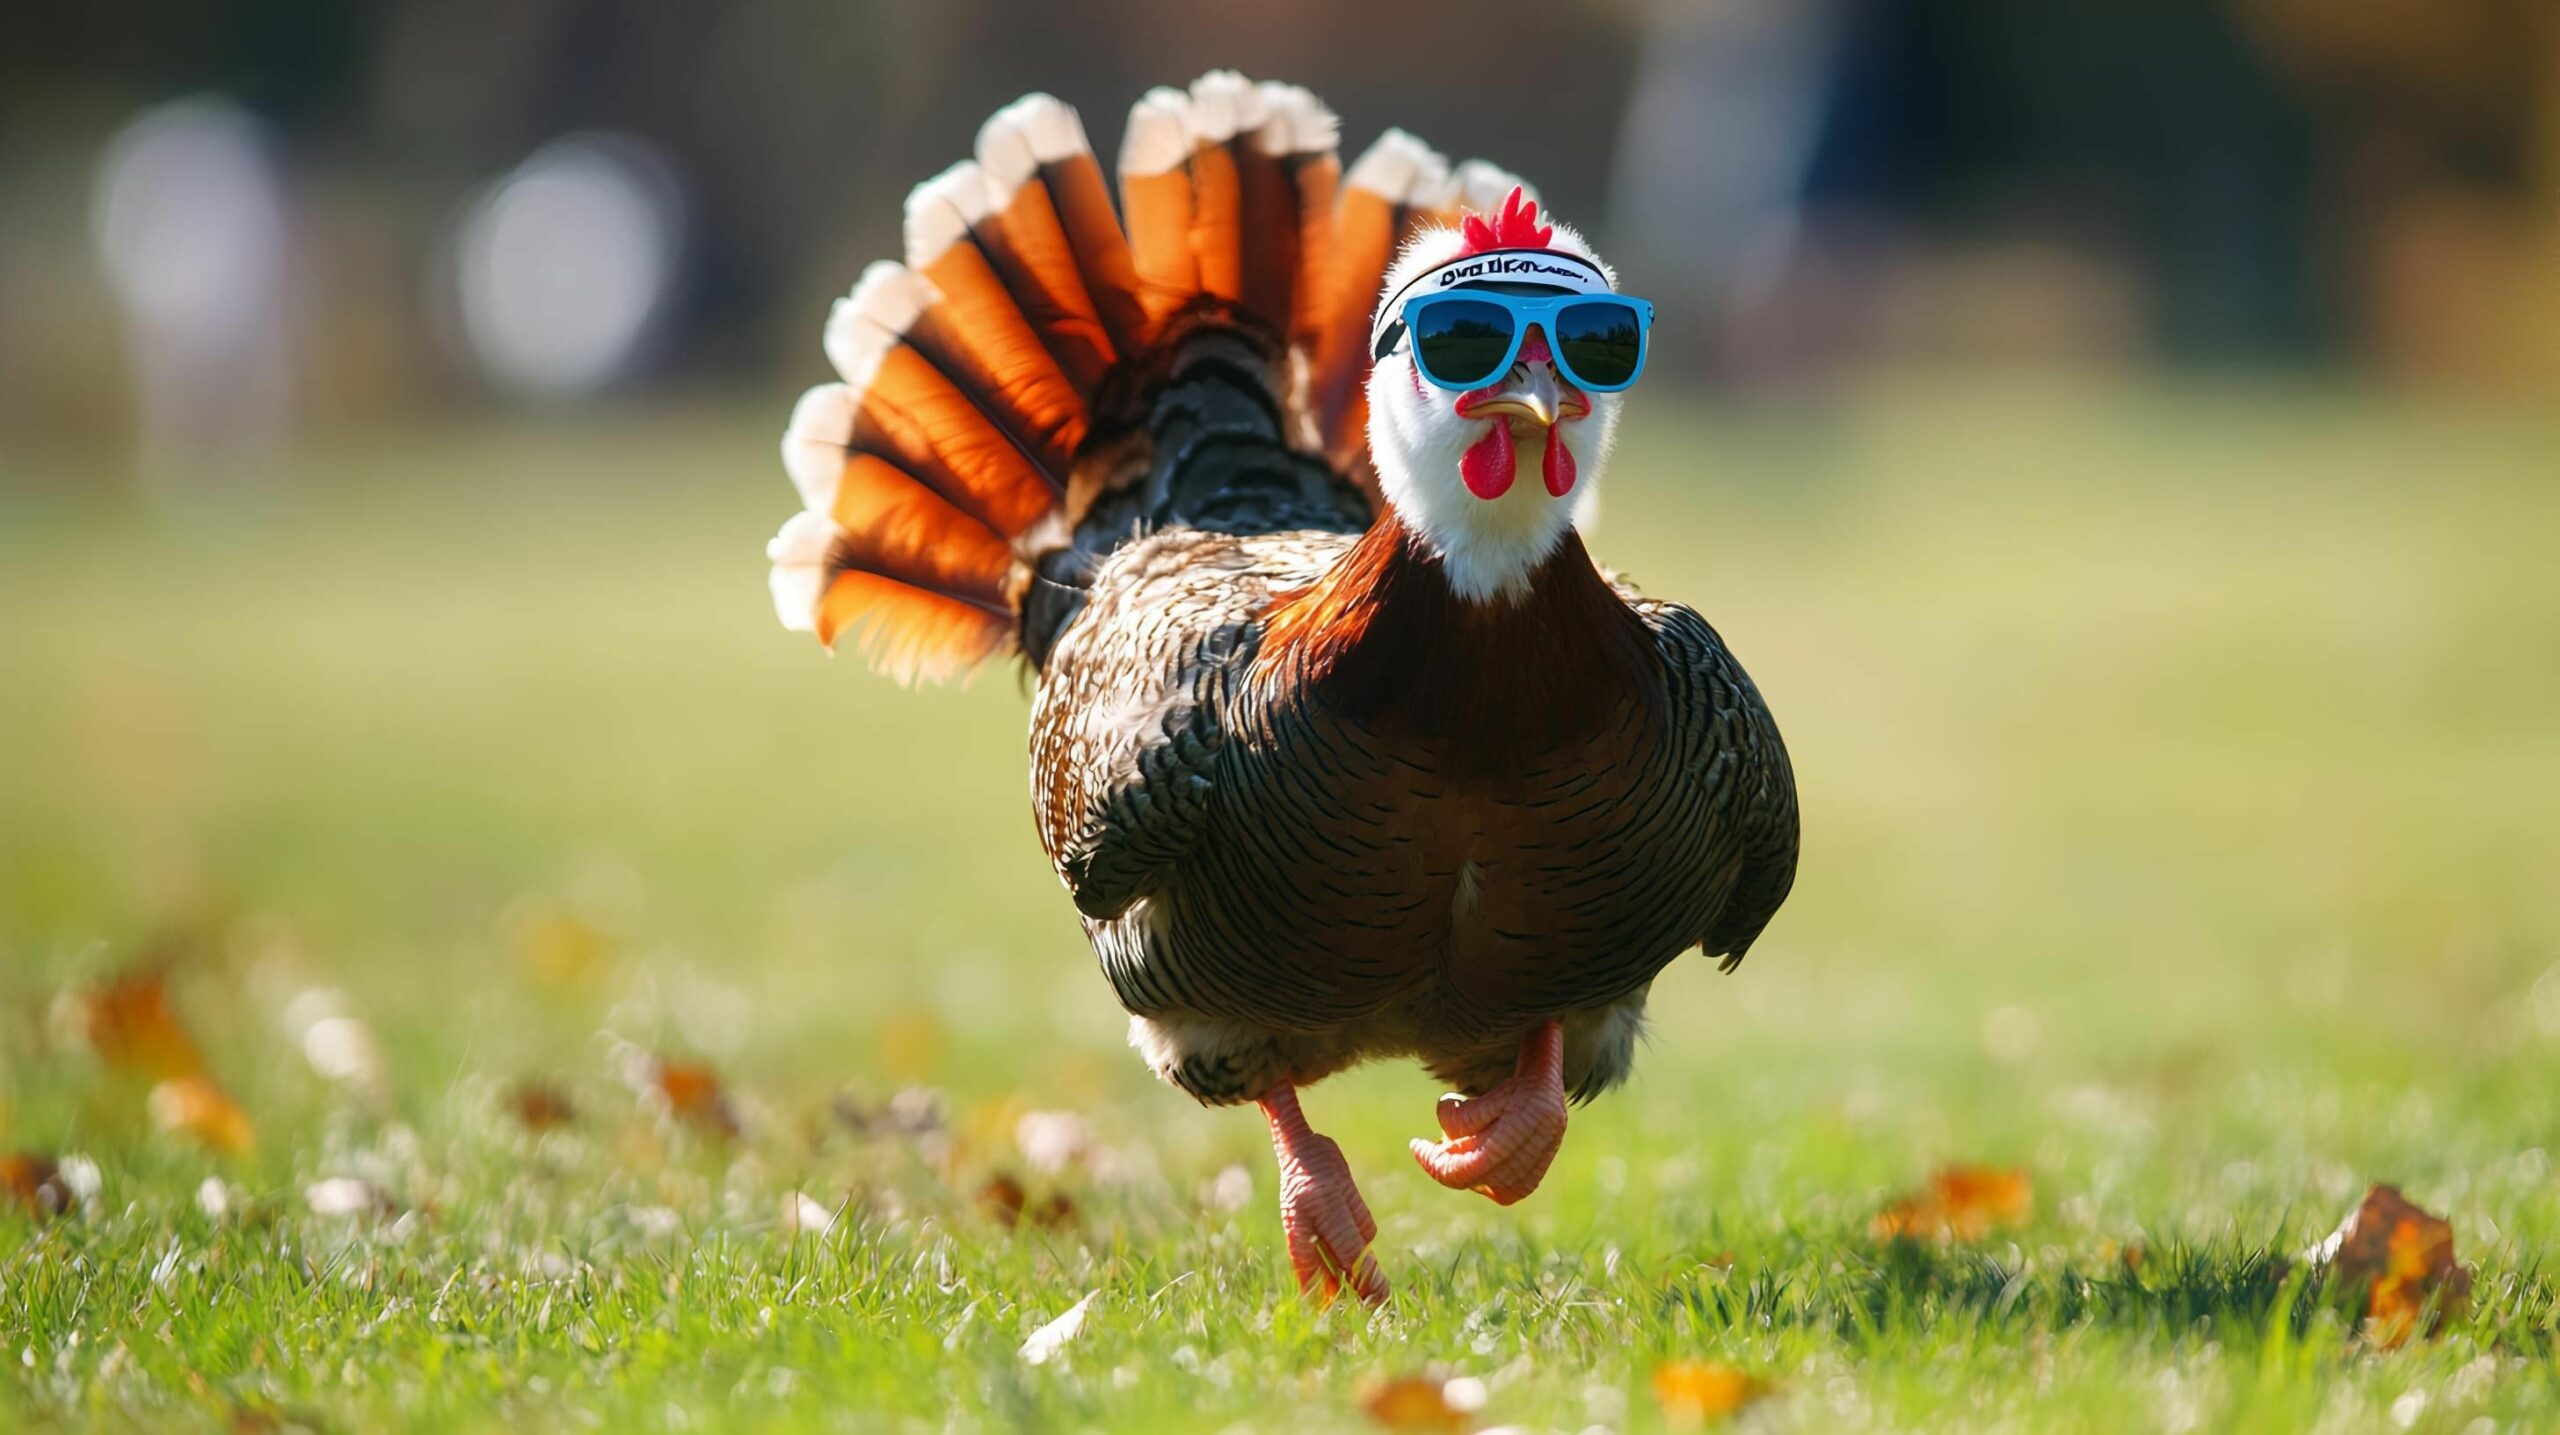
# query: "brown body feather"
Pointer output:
{"type": "Point", "coordinates": [1307, 827]}
{"type": "Point", "coordinates": [1383, 642]}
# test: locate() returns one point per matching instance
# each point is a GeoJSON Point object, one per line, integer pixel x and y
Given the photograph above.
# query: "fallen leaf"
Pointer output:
{"type": "Point", "coordinates": [1008, 1203]}
{"type": "Point", "coordinates": [35, 1182]}
{"type": "Point", "coordinates": [1424, 1402]}
{"type": "Point", "coordinates": [194, 1107]}
{"type": "Point", "coordinates": [1693, 1392]}
{"type": "Point", "coordinates": [540, 1107]}
{"type": "Point", "coordinates": [1045, 1343]}
{"type": "Point", "coordinates": [129, 1022]}
{"type": "Point", "coordinates": [1962, 1203]}
{"type": "Point", "coordinates": [1053, 1211]}
{"type": "Point", "coordinates": [2399, 1259]}
{"type": "Point", "coordinates": [691, 1092]}
{"type": "Point", "coordinates": [1002, 1197]}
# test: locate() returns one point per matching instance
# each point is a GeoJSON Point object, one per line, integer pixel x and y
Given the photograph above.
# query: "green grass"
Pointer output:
{"type": "Point", "coordinates": [2181, 776]}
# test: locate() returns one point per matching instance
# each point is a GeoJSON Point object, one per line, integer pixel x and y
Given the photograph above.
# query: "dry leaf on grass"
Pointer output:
{"type": "Point", "coordinates": [2398, 1261]}
{"type": "Point", "coordinates": [1006, 1202]}
{"type": "Point", "coordinates": [130, 1023]}
{"type": "Point", "coordinates": [693, 1092]}
{"type": "Point", "coordinates": [35, 1182]}
{"type": "Point", "coordinates": [538, 1106]}
{"type": "Point", "coordinates": [687, 1091]}
{"type": "Point", "coordinates": [196, 1108]}
{"type": "Point", "coordinates": [1045, 1343]}
{"type": "Point", "coordinates": [1693, 1392]}
{"type": "Point", "coordinates": [1423, 1402]}
{"type": "Point", "coordinates": [1962, 1203]}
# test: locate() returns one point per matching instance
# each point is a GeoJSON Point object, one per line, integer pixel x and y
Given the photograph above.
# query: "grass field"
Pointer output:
{"type": "Point", "coordinates": [2181, 778]}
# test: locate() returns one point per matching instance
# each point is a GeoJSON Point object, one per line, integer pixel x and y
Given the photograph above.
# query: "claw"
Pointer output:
{"type": "Point", "coordinates": [1328, 1224]}
{"type": "Point", "coordinates": [1501, 1143]}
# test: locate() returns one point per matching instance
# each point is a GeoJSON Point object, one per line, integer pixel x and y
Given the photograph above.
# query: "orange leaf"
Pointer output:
{"type": "Point", "coordinates": [35, 1181]}
{"type": "Point", "coordinates": [2401, 1258]}
{"type": "Point", "coordinates": [129, 1022]}
{"type": "Point", "coordinates": [1002, 1198]}
{"type": "Point", "coordinates": [1962, 1203]}
{"type": "Point", "coordinates": [1007, 1203]}
{"type": "Point", "coordinates": [693, 1093]}
{"type": "Point", "coordinates": [1419, 1402]}
{"type": "Point", "coordinates": [1693, 1392]}
{"type": "Point", "coordinates": [194, 1107]}
{"type": "Point", "coordinates": [540, 1107]}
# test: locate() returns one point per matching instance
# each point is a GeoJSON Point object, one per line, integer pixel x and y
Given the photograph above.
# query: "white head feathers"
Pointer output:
{"type": "Point", "coordinates": [1418, 441]}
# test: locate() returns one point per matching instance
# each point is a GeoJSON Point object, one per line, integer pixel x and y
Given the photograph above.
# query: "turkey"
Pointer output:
{"type": "Point", "coordinates": [1342, 745]}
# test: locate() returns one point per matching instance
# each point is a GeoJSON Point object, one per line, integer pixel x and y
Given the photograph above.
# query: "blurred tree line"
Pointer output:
{"type": "Point", "coordinates": [1812, 184]}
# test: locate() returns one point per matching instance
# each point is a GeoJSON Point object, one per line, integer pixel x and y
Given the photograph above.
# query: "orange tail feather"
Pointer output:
{"type": "Point", "coordinates": [935, 473]}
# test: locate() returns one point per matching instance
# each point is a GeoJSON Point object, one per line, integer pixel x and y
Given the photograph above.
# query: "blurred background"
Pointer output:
{"type": "Point", "coordinates": [226, 224]}
{"type": "Point", "coordinates": [2121, 437]}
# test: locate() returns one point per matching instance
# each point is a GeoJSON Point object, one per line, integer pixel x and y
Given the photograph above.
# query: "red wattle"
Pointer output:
{"type": "Point", "coordinates": [1487, 463]}
{"type": "Point", "coordinates": [1558, 464]}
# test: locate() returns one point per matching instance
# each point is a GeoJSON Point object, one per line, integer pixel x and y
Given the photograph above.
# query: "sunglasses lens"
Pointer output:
{"type": "Point", "coordinates": [1602, 341]}
{"type": "Point", "coordinates": [1461, 342]}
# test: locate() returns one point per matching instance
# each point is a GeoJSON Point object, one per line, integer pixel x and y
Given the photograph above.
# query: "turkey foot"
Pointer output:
{"type": "Point", "coordinates": [1328, 1225]}
{"type": "Point", "coordinates": [1501, 1143]}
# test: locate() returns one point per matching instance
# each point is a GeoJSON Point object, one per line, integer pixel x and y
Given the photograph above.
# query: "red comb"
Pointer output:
{"type": "Point", "coordinates": [1517, 227]}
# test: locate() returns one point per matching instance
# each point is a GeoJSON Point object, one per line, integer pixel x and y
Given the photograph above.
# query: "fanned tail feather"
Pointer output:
{"type": "Point", "coordinates": [908, 630]}
{"type": "Point", "coordinates": [1229, 189]}
{"type": "Point", "coordinates": [936, 471]}
{"type": "Point", "coordinates": [1050, 233]}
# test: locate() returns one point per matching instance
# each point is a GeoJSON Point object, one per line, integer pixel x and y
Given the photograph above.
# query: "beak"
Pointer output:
{"type": "Point", "coordinates": [1532, 391]}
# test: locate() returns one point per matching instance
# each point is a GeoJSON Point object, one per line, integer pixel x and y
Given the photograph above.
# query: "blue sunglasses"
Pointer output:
{"type": "Point", "coordinates": [1466, 338]}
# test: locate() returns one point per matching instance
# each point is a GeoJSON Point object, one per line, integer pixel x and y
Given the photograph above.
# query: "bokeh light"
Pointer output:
{"type": "Point", "coordinates": [189, 222]}
{"type": "Point", "coordinates": [564, 268]}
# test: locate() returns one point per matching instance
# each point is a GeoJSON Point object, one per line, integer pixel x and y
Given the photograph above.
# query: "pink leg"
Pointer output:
{"type": "Point", "coordinates": [1501, 1143]}
{"type": "Point", "coordinates": [1329, 1226]}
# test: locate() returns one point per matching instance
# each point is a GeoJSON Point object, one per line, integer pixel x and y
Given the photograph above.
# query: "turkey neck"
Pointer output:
{"type": "Point", "coordinates": [1385, 642]}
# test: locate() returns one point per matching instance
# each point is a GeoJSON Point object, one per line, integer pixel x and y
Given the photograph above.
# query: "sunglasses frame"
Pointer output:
{"type": "Point", "coordinates": [1525, 310]}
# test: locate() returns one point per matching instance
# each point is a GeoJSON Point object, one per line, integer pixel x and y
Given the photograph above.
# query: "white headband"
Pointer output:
{"type": "Point", "coordinates": [1550, 268]}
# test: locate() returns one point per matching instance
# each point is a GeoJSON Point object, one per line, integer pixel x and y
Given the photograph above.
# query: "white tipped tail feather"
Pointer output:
{"type": "Point", "coordinates": [1159, 133]}
{"type": "Point", "coordinates": [941, 211]}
